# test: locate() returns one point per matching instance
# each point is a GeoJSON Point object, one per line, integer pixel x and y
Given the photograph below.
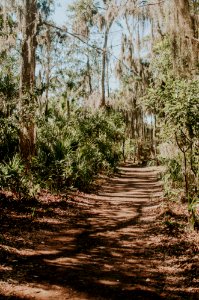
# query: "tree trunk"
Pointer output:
{"type": "Point", "coordinates": [107, 76]}
{"type": "Point", "coordinates": [103, 78]}
{"type": "Point", "coordinates": [188, 27]}
{"type": "Point", "coordinates": [27, 81]}
{"type": "Point", "coordinates": [48, 48]}
{"type": "Point", "coordinates": [104, 61]}
{"type": "Point", "coordinates": [183, 9]}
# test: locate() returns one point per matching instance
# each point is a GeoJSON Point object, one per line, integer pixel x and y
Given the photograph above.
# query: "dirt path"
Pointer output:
{"type": "Point", "coordinates": [114, 248]}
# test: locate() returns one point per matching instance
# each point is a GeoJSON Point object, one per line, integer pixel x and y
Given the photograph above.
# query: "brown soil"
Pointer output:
{"type": "Point", "coordinates": [122, 242]}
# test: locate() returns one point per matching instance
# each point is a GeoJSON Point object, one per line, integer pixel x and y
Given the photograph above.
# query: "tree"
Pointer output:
{"type": "Point", "coordinates": [27, 80]}
{"type": "Point", "coordinates": [106, 22]}
{"type": "Point", "coordinates": [97, 18]}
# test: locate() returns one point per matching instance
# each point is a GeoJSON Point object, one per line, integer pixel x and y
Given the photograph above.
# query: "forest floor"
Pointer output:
{"type": "Point", "coordinates": [123, 241]}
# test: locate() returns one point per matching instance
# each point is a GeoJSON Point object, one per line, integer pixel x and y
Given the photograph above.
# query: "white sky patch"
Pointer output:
{"type": "Point", "coordinates": [60, 13]}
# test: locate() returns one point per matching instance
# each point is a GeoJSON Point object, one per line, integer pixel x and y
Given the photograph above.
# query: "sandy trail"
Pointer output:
{"type": "Point", "coordinates": [111, 250]}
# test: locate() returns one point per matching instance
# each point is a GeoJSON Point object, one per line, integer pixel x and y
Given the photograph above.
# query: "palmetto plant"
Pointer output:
{"type": "Point", "coordinates": [71, 152]}
{"type": "Point", "coordinates": [14, 177]}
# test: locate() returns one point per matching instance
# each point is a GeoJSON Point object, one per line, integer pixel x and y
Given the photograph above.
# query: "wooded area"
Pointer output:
{"type": "Point", "coordinates": [75, 103]}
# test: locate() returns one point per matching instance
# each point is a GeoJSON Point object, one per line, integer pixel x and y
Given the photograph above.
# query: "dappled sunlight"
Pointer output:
{"type": "Point", "coordinates": [41, 291]}
{"type": "Point", "coordinates": [99, 149]}
{"type": "Point", "coordinates": [106, 251]}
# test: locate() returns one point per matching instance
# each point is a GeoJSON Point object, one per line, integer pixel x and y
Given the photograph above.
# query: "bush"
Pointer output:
{"type": "Point", "coordinates": [9, 142]}
{"type": "Point", "coordinates": [71, 152]}
{"type": "Point", "coordinates": [14, 178]}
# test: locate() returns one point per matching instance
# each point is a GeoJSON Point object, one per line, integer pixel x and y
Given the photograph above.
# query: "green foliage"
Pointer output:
{"type": "Point", "coordinates": [128, 148]}
{"type": "Point", "coordinates": [13, 177]}
{"type": "Point", "coordinates": [182, 107]}
{"type": "Point", "coordinates": [72, 151]}
{"type": "Point", "coordinates": [177, 107]}
{"type": "Point", "coordinates": [173, 178]}
{"type": "Point", "coordinates": [8, 119]}
{"type": "Point", "coordinates": [174, 100]}
{"type": "Point", "coordinates": [8, 138]}
{"type": "Point", "coordinates": [7, 87]}
{"type": "Point", "coordinates": [174, 169]}
{"type": "Point", "coordinates": [194, 211]}
{"type": "Point", "coordinates": [161, 63]}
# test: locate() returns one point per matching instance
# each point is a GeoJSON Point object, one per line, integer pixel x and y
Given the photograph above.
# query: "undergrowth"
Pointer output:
{"type": "Point", "coordinates": [70, 152]}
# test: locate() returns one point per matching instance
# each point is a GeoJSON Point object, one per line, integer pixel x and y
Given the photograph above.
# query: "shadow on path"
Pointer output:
{"type": "Point", "coordinates": [107, 251]}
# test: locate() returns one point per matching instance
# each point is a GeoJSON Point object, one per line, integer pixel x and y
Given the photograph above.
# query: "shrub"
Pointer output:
{"type": "Point", "coordinates": [14, 178]}
{"type": "Point", "coordinates": [9, 142]}
{"type": "Point", "coordinates": [71, 152]}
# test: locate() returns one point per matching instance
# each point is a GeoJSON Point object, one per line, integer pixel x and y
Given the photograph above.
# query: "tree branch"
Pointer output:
{"type": "Point", "coordinates": [98, 49]}
{"type": "Point", "coordinates": [74, 35]}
